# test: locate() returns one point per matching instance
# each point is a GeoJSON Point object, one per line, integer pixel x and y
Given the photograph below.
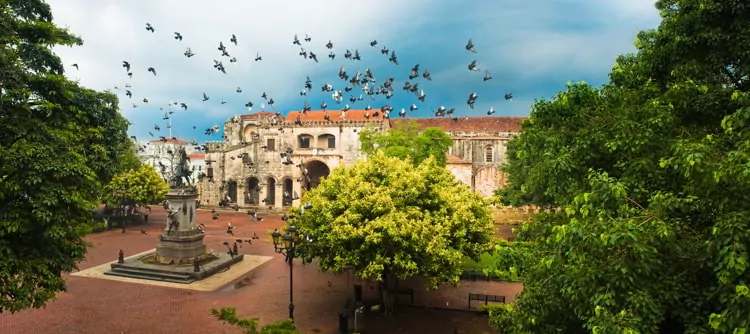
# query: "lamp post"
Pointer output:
{"type": "Point", "coordinates": [286, 244]}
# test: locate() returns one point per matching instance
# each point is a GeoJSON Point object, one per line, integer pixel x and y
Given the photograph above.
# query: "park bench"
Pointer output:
{"type": "Point", "coordinates": [485, 298]}
{"type": "Point", "coordinates": [407, 292]}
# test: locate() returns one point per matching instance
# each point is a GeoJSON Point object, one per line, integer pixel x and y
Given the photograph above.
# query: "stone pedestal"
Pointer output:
{"type": "Point", "coordinates": [183, 242]}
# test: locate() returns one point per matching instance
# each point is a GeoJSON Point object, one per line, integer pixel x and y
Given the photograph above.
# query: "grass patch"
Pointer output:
{"type": "Point", "coordinates": [485, 260]}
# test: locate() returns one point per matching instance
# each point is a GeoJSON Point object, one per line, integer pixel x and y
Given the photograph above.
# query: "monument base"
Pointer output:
{"type": "Point", "coordinates": [147, 267]}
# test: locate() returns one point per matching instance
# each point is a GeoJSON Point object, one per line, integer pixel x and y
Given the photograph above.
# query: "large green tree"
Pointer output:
{"type": "Point", "coordinates": [59, 143]}
{"type": "Point", "coordinates": [134, 188]}
{"type": "Point", "coordinates": [406, 140]}
{"type": "Point", "coordinates": [653, 172]}
{"type": "Point", "coordinates": [389, 220]}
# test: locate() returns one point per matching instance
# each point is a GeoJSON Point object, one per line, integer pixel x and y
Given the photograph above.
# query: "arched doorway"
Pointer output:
{"type": "Point", "coordinates": [232, 191]}
{"type": "Point", "coordinates": [288, 192]}
{"type": "Point", "coordinates": [271, 191]}
{"type": "Point", "coordinates": [315, 170]}
{"type": "Point", "coordinates": [252, 196]}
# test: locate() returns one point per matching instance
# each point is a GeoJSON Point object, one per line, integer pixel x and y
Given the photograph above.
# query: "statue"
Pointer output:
{"type": "Point", "coordinates": [181, 178]}
{"type": "Point", "coordinates": [173, 223]}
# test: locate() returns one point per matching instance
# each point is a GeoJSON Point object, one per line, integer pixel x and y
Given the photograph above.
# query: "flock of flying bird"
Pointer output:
{"type": "Point", "coordinates": [361, 80]}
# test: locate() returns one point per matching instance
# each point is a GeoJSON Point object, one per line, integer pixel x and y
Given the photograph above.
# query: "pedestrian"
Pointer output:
{"type": "Point", "coordinates": [230, 228]}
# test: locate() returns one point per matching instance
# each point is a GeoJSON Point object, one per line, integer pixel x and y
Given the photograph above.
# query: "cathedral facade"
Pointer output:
{"type": "Point", "coordinates": [268, 160]}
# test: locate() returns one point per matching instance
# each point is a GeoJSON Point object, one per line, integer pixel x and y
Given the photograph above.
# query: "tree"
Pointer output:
{"type": "Point", "coordinates": [58, 145]}
{"type": "Point", "coordinates": [135, 188]}
{"type": "Point", "coordinates": [651, 170]}
{"type": "Point", "coordinates": [250, 326]}
{"type": "Point", "coordinates": [405, 140]}
{"type": "Point", "coordinates": [388, 220]}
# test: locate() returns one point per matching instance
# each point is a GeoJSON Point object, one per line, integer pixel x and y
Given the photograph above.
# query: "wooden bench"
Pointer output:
{"type": "Point", "coordinates": [485, 298]}
{"type": "Point", "coordinates": [408, 292]}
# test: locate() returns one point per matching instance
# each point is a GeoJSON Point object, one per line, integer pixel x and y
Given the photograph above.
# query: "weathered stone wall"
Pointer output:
{"type": "Point", "coordinates": [463, 172]}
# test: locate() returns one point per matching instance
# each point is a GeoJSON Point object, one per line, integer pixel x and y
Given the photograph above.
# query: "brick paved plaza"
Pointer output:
{"type": "Point", "coordinates": [95, 305]}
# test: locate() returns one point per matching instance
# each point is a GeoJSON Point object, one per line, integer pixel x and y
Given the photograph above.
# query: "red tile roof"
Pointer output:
{"type": "Point", "coordinates": [498, 123]}
{"type": "Point", "coordinates": [197, 156]}
{"type": "Point", "coordinates": [170, 140]}
{"type": "Point", "coordinates": [257, 114]}
{"type": "Point", "coordinates": [454, 160]}
{"type": "Point", "coordinates": [335, 115]}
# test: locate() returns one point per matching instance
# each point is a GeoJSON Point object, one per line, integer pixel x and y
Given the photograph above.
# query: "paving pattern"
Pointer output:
{"type": "Point", "coordinates": [96, 305]}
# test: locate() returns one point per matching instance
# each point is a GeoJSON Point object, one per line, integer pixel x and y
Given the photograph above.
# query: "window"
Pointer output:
{"type": "Point", "coordinates": [488, 156]}
{"type": "Point", "coordinates": [331, 142]}
{"type": "Point", "coordinates": [304, 142]}
{"type": "Point", "coordinates": [210, 172]}
{"type": "Point", "coordinates": [200, 168]}
{"type": "Point", "coordinates": [271, 144]}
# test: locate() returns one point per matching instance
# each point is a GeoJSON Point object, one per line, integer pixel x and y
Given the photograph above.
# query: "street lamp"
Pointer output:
{"type": "Point", "coordinates": [286, 244]}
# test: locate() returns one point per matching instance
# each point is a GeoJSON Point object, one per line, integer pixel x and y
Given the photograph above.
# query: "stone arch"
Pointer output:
{"type": "Point", "coordinates": [316, 170]}
{"type": "Point", "coordinates": [270, 191]}
{"type": "Point", "coordinates": [287, 186]}
{"type": "Point", "coordinates": [486, 180]}
{"type": "Point", "coordinates": [232, 190]}
{"type": "Point", "coordinates": [326, 141]}
{"type": "Point", "coordinates": [252, 196]}
{"type": "Point", "coordinates": [248, 132]}
{"type": "Point", "coordinates": [305, 140]}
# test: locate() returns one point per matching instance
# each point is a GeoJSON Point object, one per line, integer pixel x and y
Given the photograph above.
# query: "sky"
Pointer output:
{"type": "Point", "coordinates": [532, 48]}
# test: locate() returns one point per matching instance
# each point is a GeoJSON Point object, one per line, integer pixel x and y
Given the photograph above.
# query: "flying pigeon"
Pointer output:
{"type": "Point", "coordinates": [374, 43]}
{"type": "Point", "coordinates": [490, 111]}
{"type": "Point", "coordinates": [473, 66]}
{"type": "Point", "coordinates": [509, 97]}
{"type": "Point", "coordinates": [470, 47]}
{"type": "Point", "coordinates": [152, 70]}
{"type": "Point", "coordinates": [126, 65]}
{"type": "Point", "coordinates": [205, 97]}
{"type": "Point", "coordinates": [308, 38]}
{"type": "Point", "coordinates": [177, 36]}
{"type": "Point", "coordinates": [149, 27]}
{"type": "Point", "coordinates": [233, 39]}
{"type": "Point", "coordinates": [487, 75]}
{"type": "Point", "coordinates": [258, 57]}
{"type": "Point", "coordinates": [393, 58]}
{"type": "Point", "coordinates": [329, 45]}
{"type": "Point", "coordinates": [296, 40]}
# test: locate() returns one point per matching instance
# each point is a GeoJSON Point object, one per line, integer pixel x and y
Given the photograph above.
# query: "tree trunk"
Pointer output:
{"type": "Point", "coordinates": [386, 293]}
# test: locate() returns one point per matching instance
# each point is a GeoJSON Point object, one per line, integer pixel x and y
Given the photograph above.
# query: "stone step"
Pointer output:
{"type": "Point", "coordinates": [156, 276]}
{"type": "Point", "coordinates": [151, 270]}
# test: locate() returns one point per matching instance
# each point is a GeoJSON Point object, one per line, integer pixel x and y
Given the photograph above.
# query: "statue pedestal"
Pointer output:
{"type": "Point", "coordinates": [183, 243]}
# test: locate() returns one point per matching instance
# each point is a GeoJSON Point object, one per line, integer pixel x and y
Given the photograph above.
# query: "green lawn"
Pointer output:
{"type": "Point", "coordinates": [485, 260]}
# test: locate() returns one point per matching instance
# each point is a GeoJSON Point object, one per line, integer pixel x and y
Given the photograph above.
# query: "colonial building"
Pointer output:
{"type": "Point", "coordinates": [478, 147]}
{"type": "Point", "coordinates": [250, 167]}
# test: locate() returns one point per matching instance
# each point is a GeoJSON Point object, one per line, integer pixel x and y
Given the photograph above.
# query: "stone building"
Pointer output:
{"type": "Point", "coordinates": [248, 167]}
{"type": "Point", "coordinates": [478, 147]}
{"type": "Point", "coordinates": [161, 152]}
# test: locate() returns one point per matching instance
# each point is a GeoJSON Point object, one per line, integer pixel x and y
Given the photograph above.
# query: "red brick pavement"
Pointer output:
{"type": "Point", "coordinates": [94, 305]}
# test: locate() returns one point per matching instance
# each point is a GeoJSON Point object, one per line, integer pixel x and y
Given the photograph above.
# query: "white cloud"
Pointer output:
{"type": "Point", "coordinates": [114, 31]}
{"type": "Point", "coordinates": [531, 47]}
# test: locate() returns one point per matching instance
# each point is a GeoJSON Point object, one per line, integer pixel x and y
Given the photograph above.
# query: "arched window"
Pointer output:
{"type": "Point", "coordinates": [489, 155]}
{"type": "Point", "coordinates": [304, 141]}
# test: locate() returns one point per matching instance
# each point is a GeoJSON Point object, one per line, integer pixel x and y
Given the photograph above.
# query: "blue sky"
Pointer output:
{"type": "Point", "coordinates": [532, 48]}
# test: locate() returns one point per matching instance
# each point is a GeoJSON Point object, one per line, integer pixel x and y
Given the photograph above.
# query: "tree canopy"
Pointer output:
{"type": "Point", "coordinates": [250, 325]}
{"type": "Point", "coordinates": [405, 140]}
{"type": "Point", "coordinates": [59, 143]}
{"type": "Point", "coordinates": [135, 187]}
{"type": "Point", "coordinates": [385, 217]}
{"type": "Point", "coordinates": [652, 171]}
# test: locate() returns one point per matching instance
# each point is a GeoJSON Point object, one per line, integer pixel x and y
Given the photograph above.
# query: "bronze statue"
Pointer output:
{"type": "Point", "coordinates": [181, 171]}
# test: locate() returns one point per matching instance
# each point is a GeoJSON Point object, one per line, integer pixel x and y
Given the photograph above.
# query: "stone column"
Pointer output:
{"type": "Point", "coordinates": [279, 195]}
{"type": "Point", "coordinates": [241, 189]}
